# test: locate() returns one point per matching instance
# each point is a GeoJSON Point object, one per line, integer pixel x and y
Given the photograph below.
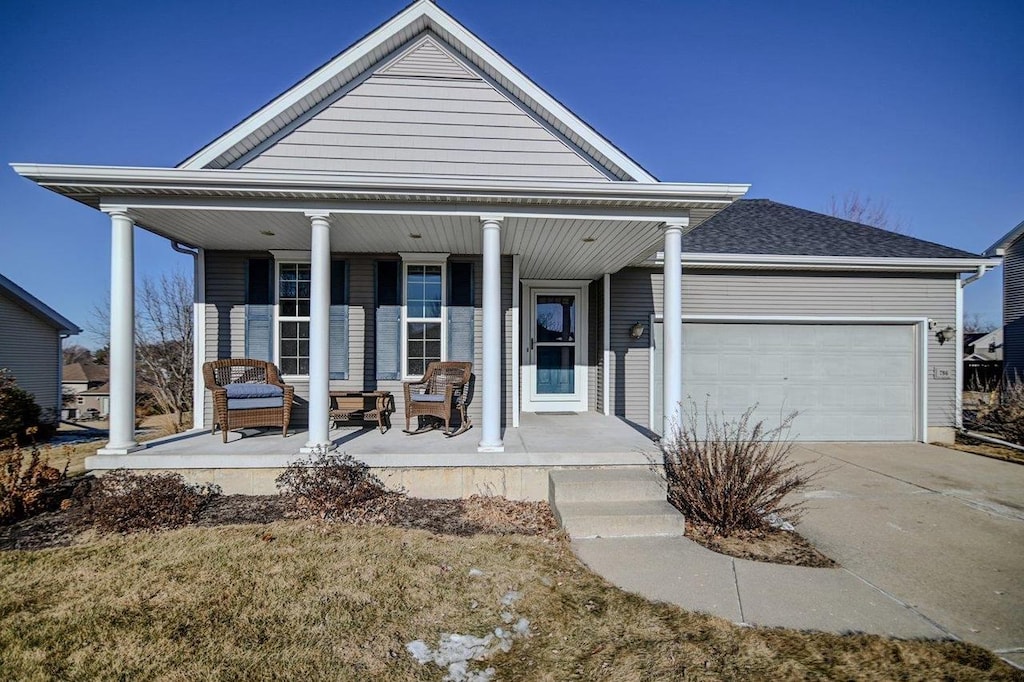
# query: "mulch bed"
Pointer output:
{"type": "Point", "coordinates": [772, 546]}
{"type": "Point", "coordinates": [466, 517]}
{"type": "Point", "coordinates": [978, 447]}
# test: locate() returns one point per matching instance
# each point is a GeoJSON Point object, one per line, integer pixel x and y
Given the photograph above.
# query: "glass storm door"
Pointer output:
{"type": "Point", "coordinates": [556, 368]}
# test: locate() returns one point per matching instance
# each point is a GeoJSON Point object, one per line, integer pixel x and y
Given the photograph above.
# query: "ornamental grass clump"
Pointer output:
{"type": "Point", "coordinates": [1004, 415]}
{"type": "Point", "coordinates": [732, 475]}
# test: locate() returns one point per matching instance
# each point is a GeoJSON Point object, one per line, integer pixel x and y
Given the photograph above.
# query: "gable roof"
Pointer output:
{"type": "Point", "coordinates": [354, 62]}
{"type": "Point", "coordinates": [1006, 240]}
{"type": "Point", "coordinates": [762, 226]}
{"type": "Point", "coordinates": [424, 111]}
{"type": "Point", "coordinates": [85, 372]}
{"type": "Point", "coordinates": [38, 308]}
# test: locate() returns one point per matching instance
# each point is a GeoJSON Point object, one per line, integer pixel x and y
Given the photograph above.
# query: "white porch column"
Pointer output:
{"type": "Point", "coordinates": [490, 437]}
{"type": "Point", "coordinates": [673, 325]}
{"type": "Point", "coordinates": [319, 333]}
{"type": "Point", "coordinates": [122, 335]}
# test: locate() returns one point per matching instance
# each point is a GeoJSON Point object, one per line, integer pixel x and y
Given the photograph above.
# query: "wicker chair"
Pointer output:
{"type": "Point", "coordinates": [247, 393]}
{"type": "Point", "coordinates": [444, 388]}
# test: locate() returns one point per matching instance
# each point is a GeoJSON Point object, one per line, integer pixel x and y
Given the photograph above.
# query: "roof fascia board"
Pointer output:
{"type": "Point", "coordinates": [307, 85]}
{"type": "Point", "coordinates": [1003, 242]}
{"type": "Point", "coordinates": [845, 263]}
{"type": "Point", "coordinates": [38, 308]}
{"type": "Point", "coordinates": [423, 8]}
{"type": "Point", "coordinates": [125, 179]}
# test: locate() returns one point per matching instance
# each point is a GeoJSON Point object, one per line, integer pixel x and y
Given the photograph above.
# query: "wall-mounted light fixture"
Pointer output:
{"type": "Point", "coordinates": [944, 335]}
{"type": "Point", "coordinates": [636, 331]}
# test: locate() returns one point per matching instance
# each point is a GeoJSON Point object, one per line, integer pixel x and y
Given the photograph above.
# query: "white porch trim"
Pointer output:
{"type": "Point", "coordinates": [673, 324]}
{"type": "Point", "coordinates": [122, 335]}
{"type": "Point", "coordinates": [490, 437]}
{"type": "Point", "coordinates": [319, 334]}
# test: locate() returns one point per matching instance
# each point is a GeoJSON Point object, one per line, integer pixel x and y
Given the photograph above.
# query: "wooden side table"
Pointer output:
{"type": "Point", "coordinates": [362, 406]}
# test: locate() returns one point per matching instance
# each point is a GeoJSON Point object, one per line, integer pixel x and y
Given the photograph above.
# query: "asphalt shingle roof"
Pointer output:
{"type": "Point", "coordinates": [762, 226]}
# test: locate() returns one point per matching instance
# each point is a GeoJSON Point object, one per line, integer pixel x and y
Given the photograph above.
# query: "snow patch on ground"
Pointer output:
{"type": "Point", "coordinates": [456, 652]}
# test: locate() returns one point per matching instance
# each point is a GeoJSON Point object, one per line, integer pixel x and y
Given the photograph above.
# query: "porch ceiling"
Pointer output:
{"type": "Point", "coordinates": [550, 248]}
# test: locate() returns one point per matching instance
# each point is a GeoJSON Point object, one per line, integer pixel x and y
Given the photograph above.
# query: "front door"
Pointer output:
{"type": "Point", "coordinates": [556, 365]}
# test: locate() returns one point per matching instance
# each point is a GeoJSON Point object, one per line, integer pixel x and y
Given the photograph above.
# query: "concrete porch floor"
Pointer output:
{"type": "Point", "coordinates": [580, 439]}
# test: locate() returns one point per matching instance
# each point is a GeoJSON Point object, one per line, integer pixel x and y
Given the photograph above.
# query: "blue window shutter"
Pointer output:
{"type": "Point", "coordinates": [461, 312]}
{"type": "Point", "coordinates": [388, 319]}
{"type": "Point", "coordinates": [339, 340]}
{"type": "Point", "coordinates": [259, 312]}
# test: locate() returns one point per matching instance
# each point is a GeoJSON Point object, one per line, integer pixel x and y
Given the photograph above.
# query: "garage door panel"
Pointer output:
{"type": "Point", "coordinates": [847, 381]}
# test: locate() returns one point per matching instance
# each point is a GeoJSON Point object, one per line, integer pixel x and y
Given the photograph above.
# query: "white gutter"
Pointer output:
{"type": "Point", "coordinates": [125, 179]}
{"type": "Point", "coordinates": [982, 269]}
{"type": "Point", "coordinates": [771, 261]}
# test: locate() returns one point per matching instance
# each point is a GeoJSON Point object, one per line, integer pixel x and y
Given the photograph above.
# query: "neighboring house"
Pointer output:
{"type": "Point", "coordinates": [1011, 248]}
{"type": "Point", "coordinates": [30, 345]}
{"type": "Point", "coordinates": [417, 198]}
{"type": "Point", "coordinates": [984, 346]}
{"type": "Point", "coordinates": [983, 360]}
{"type": "Point", "coordinates": [86, 390]}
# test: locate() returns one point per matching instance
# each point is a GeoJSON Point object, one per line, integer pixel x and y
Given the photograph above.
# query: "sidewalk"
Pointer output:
{"type": "Point", "coordinates": [679, 571]}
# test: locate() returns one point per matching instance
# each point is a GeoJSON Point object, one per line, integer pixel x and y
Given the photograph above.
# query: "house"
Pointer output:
{"type": "Point", "coordinates": [86, 390]}
{"type": "Point", "coordinates": [983, 359]}
{"type": "Point", "coordinates": [1011, 248]}
{"type": "Point", "coordinates": [417, 197]}
{"type": "Point", "coordinates": [30, 346]}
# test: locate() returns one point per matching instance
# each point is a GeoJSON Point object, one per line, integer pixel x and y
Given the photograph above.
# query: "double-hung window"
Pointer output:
{"type": "Point", "coordinates": [424, 316]}
{"type": "Point", "coordinates": [293, 296]}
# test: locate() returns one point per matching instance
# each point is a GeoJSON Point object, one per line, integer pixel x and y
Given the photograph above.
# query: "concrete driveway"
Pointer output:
{"type": "Point", "coordinates": [940, 530]}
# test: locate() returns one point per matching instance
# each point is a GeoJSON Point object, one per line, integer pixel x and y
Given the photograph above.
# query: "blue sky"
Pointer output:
{"type": "Point", "coordinates": [920, 104]}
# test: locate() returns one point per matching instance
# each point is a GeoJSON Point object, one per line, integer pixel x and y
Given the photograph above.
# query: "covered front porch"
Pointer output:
{"type": "Point", "coordinates": [427, 464]}
{"type": "Point", "coordinates": [551, 238]}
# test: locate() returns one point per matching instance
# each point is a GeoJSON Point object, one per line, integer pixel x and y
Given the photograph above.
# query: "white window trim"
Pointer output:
{"type": "Point", "coordinates": [293, 258]}
{"type": "Point", "coordinates": [439, 259]}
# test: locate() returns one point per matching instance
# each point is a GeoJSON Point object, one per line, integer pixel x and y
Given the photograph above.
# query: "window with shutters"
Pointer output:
{"type": "Point", "coordinates": [293, 295]}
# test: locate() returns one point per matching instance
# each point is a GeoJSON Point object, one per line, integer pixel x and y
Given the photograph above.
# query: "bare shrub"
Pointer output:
{"type": "Point", "coordinates": [732, 475]}
{"type": "Point", "coordinates": [1002, 415]}
{"type": "Point", "coordinates": [123, 501]}
{"type": "Point", "coordinates": [25, 479]}
{"type": "Point", "coordinates": [330, 486]}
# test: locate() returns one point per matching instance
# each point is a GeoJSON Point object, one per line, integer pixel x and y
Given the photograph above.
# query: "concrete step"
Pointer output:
{"type": "Point", "coordinates": [619, 519]}
{"type": "Point", "coordinates": [604, 485]}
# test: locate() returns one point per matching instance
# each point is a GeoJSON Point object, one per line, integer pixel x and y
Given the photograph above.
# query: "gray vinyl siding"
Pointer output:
{"type": "Point", "coordinates": [426, 113]}
{"type": "Point", "coordinates": [1013, 310]}
{"type": "Point", "coordinates": [30, 348]}
{"type": "Point", "coordinates": [225, 327]}
{"type": "Point", "coordinates": [637, 293]}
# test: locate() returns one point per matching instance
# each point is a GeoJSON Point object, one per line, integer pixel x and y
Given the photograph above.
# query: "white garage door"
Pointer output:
{"type": "Point", "coordinates": [849, 382]}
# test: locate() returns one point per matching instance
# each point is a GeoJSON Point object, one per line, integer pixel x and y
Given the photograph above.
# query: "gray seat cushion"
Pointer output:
{"type": "Point", "coordinates": [253, 391]}
{"type": "Point", "coordinates": [253, 403]}
{"type": "Point", "coordinates": [427, 398]}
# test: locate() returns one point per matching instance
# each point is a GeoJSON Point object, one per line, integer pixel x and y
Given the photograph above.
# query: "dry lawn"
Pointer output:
{"type": "Point", "coordinates": [294, 600]}
{"type": "Point", "coordinates": [977, 447]}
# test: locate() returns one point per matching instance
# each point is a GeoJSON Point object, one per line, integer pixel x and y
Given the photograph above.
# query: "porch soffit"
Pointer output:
{"type": "Point", "coordinates": [549, 247]}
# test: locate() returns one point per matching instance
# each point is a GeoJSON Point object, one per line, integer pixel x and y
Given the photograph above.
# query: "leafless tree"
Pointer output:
{"type": "Point", "coordinates": [76, 353]}
{"type": "Point", "coordinates": [163, 339]}
{"type": "Point", "coordinates": [865, 210]}
{"type": "Point", "coordinates": [976, 323]}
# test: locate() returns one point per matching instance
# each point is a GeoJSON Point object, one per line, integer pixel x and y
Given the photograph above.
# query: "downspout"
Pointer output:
{"type": "Point", "coordinates": [959, 401]}
{"type": "Point", "coordinates": [198, 330]}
